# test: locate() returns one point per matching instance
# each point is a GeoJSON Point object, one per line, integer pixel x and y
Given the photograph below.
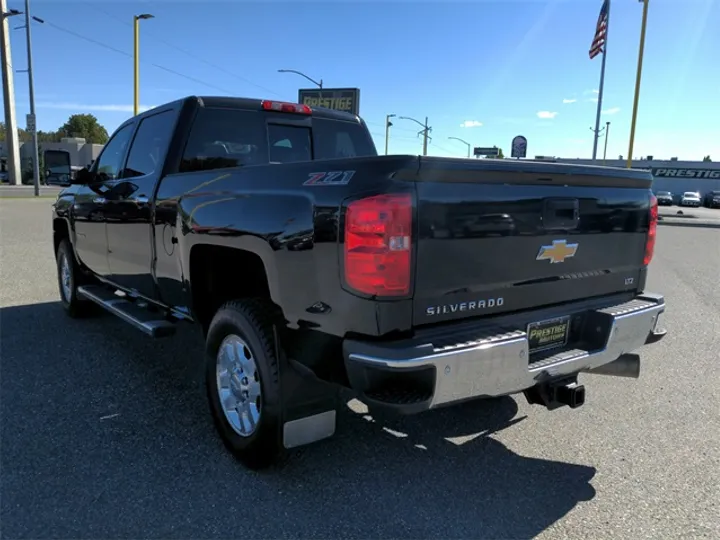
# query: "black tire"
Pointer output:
{"type": "Point", "coordinates": [74, 306]}
{"type": "Point", "coordinates": [251, 320]}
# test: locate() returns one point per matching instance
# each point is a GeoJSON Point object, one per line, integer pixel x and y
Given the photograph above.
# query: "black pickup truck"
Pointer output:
{"type": "Point", "coordinates": [313, 264]}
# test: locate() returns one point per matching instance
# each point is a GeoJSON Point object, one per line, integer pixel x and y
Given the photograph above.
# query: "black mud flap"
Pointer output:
{"type": "Point", "coordinates": [309, 405]}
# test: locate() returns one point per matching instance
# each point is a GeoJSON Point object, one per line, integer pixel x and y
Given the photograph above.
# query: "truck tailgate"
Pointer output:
{"type": "Point", "coordinates": [502, 236]}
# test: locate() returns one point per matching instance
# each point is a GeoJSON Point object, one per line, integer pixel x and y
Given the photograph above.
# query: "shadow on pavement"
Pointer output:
{"type": "Point", "coordinates": [106, 433]}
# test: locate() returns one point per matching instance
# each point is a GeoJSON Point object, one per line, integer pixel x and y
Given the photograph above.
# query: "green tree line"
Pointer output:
{"type": "Point", "coordinates": [77, 125]}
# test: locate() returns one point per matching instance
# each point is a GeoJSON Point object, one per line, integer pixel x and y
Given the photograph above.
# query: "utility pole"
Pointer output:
{"type": "Point", "coordinates": [11, 132]}
{"type": "Point", "coordinates": [638, 77]}
{"type": "Point", "coordinates": [388, 123]}
{"type": "Point", "coordinates": [425, 130]}
{"type": "Point", "coordinates": [425, 135]}
{"type": "Point", "coordinates": [31, 119]}
{"type": "Point", "coordinates": [136, 58]}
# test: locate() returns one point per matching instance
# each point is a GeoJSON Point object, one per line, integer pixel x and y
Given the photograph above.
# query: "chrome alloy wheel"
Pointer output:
{"type": "Point", "coordinates": [66, 278]}
{"type": "Point", "coordinates": [238, 385]}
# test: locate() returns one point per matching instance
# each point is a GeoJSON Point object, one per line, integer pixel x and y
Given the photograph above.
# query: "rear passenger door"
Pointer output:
{"type": "Point", "coordinates": [129, 211]}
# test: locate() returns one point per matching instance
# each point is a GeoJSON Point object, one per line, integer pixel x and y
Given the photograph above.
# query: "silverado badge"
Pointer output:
{"type": "Point", "coordinates": [557, 252]}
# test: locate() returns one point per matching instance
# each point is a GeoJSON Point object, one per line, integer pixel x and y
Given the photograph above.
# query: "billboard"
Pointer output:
{"type": "Point", "coordinates": [338, 99]}
{"type": "Point", "coordinates": [485, 151]}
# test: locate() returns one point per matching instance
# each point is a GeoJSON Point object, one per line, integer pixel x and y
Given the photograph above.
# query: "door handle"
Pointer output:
{"type": "Point", "coordinates": [99, 200]}
{"type": "Point", "coordinates": [142, 199]}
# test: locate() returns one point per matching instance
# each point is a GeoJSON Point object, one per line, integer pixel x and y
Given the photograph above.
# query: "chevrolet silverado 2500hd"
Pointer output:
{"type": "Point", "coordinates": [311, 263]}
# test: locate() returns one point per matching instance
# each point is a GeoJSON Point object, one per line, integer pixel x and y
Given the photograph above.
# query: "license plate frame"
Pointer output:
{"type": "Point", "coordinates": [534, 342]}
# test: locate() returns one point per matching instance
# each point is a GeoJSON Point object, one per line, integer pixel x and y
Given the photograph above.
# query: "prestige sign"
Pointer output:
{"type": "Point", "coordinates": [338, 99]}
{"type": "Point", "coordinates": [686, 173]}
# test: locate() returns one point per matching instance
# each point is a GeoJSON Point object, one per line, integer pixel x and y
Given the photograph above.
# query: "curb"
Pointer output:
{"type": "Point", "coordinates": [690, 222]}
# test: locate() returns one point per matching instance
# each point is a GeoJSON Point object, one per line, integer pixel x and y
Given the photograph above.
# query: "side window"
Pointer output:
{"type": "Point", "coordinates": [225, 138]}
{"type": "Point", "coordinates": [149, 145]}
{"type": "Point", "coordinates": [340, 139]}
{"type": "Point", "coordinates": [109, 163]}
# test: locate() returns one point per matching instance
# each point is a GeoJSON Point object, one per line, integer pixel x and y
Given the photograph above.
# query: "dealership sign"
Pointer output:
{"type": "Point", "coordinates": [687, 173]}
{"type": "Point", "coordinates": [338, 99]}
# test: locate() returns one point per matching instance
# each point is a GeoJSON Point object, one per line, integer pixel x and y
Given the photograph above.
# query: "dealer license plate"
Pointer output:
{"type": "Point", "coordinates": [548, 334]}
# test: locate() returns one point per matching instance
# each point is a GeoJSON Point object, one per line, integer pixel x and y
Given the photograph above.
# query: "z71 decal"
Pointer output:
{"type": "Point", "coordinates": [334, 178]}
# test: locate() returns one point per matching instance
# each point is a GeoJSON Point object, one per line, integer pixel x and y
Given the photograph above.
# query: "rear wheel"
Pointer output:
{"type": "Point", "coordinates": [242, 381]}
{"type": "Point", "coordinates": [70, 277]}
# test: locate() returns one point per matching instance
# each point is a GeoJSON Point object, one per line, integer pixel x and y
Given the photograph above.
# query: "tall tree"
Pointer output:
{"type": "Point", "coordinates": [707, 158]}
{"type": "Point", "coordinates": [85, 126]}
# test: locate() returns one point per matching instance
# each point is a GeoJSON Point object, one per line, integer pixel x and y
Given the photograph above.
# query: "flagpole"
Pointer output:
{"type": "Point", "coordinates": [641, 51]}
{"type": "Point", "coordinates": [601, 87]}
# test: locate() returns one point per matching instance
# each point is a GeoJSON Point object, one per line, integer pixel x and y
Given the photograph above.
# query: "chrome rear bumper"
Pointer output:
{"type": "Point", "coordinates": [495, 361]}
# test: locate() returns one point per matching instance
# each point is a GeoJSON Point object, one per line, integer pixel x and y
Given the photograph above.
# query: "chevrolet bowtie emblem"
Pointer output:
{"type": "Point", "coordinates": [557, 252]}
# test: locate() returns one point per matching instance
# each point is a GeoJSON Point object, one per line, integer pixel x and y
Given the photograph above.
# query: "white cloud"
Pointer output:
{"type": "Point", "coordinates": [566, 100]}
{"type": "Point", "coordinates": [546, 114]}
{"type": "Point", "coordinates": [471, 124]}
{"type": "Point", "coordinates": [612, 110]}
{"type": "Point", "coordinates": [593, 91]}
{"type": "Point", "coordinates": [80, 107]}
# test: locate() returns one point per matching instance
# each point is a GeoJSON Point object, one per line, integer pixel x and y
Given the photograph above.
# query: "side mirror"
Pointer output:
{"type": "Point", "coordinates": [83, 176]}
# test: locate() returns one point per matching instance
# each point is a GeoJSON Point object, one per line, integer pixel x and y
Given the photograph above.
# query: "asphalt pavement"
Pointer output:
{"type": "Point", "coordinates": [106, 433]}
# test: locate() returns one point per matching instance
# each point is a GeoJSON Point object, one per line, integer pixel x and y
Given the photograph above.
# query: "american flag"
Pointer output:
{"type": "Point", "coordinates": [598, 43]}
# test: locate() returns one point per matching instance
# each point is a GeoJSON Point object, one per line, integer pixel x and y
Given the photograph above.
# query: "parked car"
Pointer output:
{"type": "Point", "coordinates": [712, 199]}
{"type": "Point", "coordinates": [690, 198]}
{"type": "Point", "coordinates": [664, 198]}
{"type": "Point", "coordinates": [309, 263]}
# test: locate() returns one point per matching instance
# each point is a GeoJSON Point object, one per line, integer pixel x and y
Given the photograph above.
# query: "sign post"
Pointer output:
{"type": "Point", "coordinates": [338, 99]}
{"type": "Point", "coordinates": [519, 147]}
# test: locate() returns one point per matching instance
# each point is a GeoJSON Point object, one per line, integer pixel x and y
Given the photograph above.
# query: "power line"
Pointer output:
{"type": "Point", "coordinates": [188, 53]}
{"type": "Point", "coordinates": [125, 53]}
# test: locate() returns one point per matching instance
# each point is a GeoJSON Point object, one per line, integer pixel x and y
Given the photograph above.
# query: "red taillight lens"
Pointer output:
{"type": "Point", "coordinates": [378, 239]}
{"type": "Point", "coordinates": [652, 230]}
{"type": "Point", "coordinates": [286, 107]}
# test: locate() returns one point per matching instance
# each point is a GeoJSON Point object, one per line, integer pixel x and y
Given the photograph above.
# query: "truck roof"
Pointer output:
{"type": "Point", "coordinates": [252, 103]}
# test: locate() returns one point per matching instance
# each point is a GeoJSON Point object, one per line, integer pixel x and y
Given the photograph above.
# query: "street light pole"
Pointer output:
{"type": "Point", "coordinates": [425, 131]}
{"type": "Point", "coordinates": [136, 58]}
{"type": "Point", "coordinates": [319, 84]}
{"type": "Point", "coordinates": [388, 123]}
{"type": "Point", "coordinates": [607, 134]}
{"type": "Point", "coordinates": [464, 142]}
{"type": "Point", "coordinates": [31, 88]}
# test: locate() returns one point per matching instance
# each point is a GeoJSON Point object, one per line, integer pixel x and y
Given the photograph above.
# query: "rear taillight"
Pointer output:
{"type": "Point", "coordinates": [280, 106]}
{"type": "Point", "coordinates": [652, 230]}
{"type": "Point", "coordinates": [378, 239]}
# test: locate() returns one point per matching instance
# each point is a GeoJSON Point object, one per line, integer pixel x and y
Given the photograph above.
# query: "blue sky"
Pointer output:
{"type": "Point", "coordinates": [501, 68]}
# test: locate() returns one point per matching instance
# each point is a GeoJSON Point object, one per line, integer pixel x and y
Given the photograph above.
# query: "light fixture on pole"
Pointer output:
{"type": "Point", "coordinates": [136, 58]}
{"type": "Point", "coordinates": [388, 123]}
{"type": "Point", "coordinates": [469, 146]}
{"type": "Point", "coordinates": [319, 83]}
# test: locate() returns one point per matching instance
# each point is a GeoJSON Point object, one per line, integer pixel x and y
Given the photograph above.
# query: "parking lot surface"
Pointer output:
{"type": "Point", "coordinates": [106, 434]}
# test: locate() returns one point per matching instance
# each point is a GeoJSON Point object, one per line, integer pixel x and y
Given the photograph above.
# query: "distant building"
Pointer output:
{"type": "Point", "coordinates": [670, 175]}
{"type": "Point", "coordinates": [81, 153]}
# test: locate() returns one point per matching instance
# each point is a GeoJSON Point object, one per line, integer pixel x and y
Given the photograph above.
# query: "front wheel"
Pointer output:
{"type": "Point", "coordinates": [70, 278]}
{"type": "Point", "coordinates": [242, 381]}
